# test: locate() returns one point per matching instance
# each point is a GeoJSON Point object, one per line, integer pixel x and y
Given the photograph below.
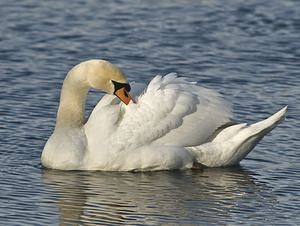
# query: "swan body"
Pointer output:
{"type": "Point", "coordinates": [173, 124]}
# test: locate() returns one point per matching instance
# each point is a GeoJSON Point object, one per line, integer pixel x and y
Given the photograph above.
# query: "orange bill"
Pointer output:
{"type": "Point", "coordinates": [123, 95]}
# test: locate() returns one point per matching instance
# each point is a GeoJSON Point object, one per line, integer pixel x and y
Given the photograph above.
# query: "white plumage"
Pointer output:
{"type": "Point", "coordinates": [173, 124]}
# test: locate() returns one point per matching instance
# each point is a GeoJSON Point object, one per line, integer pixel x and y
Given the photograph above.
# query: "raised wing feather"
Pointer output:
{"type": "Point", "coordinates": [171, 111]}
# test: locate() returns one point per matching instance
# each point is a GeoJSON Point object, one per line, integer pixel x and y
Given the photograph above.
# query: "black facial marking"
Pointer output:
{"type": "Point", "coordinates": [127, 87]}
{"type": "Point", "coordinates": [119, 85]}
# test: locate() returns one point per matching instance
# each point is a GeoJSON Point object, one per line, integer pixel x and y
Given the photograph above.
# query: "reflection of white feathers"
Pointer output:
{"type": "Point", "coordinates": [116, 198]}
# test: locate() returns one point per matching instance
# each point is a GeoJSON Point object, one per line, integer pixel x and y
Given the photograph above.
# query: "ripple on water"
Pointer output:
{"type": "Point", "coordinates": [249, 51]}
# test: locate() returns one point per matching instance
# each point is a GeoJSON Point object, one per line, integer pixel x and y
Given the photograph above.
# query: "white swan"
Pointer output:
{"type": "Point", "coordinates": [174, 124]}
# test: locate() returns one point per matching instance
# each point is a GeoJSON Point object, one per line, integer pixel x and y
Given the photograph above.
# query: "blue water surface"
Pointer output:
{"type": "Point", "coordinates": [247, 50]}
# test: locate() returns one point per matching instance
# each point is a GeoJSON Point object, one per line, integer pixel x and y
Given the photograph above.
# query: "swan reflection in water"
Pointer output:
{"type": "Point", "coordinates": [153, 197]}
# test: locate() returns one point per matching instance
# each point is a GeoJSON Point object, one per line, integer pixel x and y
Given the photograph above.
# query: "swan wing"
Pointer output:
{"type": "Point", "coordinates": [104, 119]}
{"type": "Point", "coordinates": [171, 111]}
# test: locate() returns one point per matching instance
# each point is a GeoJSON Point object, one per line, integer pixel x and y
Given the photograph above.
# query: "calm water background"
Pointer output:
{"type": "Point", "coordinates": [247, 50]}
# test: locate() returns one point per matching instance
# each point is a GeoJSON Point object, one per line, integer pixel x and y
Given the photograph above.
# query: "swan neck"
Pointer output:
{"type": "Point", "coordinates": [72, 104]}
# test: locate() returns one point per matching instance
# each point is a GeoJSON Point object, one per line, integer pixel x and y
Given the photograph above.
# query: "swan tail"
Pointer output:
{"type": "Point", "coordinates": [234, 142]}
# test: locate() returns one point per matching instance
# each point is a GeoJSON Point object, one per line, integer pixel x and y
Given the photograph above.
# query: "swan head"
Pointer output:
{"type": "Point", "coordinates": [103, 75]}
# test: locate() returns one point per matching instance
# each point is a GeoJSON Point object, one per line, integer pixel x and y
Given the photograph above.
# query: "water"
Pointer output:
{"type": "Point", "coordinates": [247, 50]}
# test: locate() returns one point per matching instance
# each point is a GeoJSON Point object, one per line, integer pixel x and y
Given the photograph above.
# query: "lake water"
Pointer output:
{"type": "Point", "coordinates": [247, 50]}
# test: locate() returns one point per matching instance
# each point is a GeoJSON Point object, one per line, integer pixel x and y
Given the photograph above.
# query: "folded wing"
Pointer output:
{"type": "Point", "coordinates": [171, 111]}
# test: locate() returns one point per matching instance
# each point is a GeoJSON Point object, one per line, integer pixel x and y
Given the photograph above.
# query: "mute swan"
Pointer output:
{"type": "Point", "coordinates": [174, 124]}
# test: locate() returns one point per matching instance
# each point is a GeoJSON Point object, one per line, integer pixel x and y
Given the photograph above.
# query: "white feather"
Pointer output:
{"type": "Point", "coordinates": [170, 126]}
